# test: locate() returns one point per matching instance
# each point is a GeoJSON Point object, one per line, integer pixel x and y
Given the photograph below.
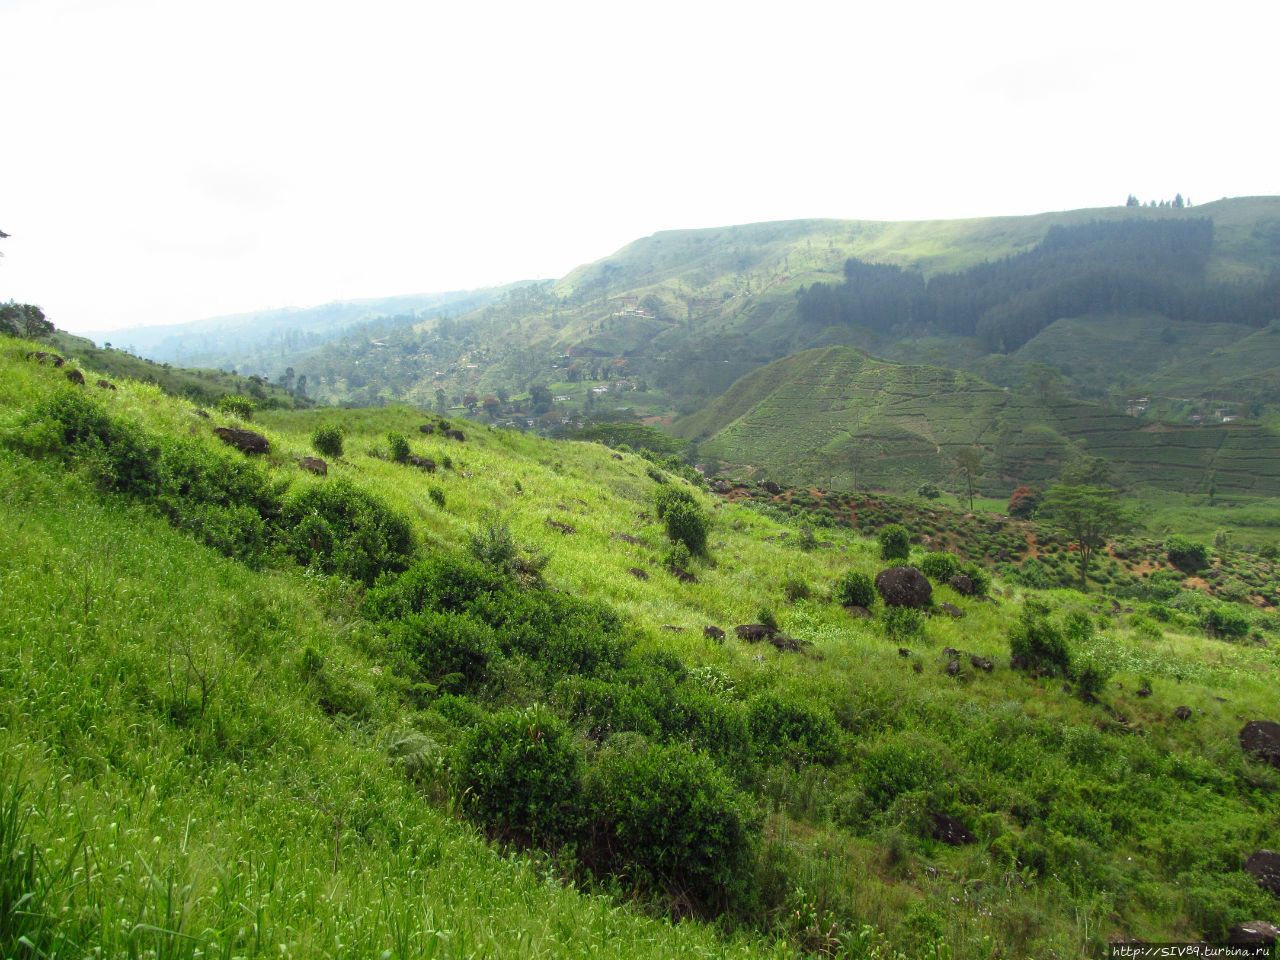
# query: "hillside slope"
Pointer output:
{"type": "Point", "coordinates": [839, 418]}
{"type": "Point", "coordinates": [253, 711]}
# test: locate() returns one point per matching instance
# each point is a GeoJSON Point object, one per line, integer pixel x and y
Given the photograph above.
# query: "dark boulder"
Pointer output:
{"type": "Point", "coordinates": [1182, 713]}
{"type": "Point", "coordinates": [202, 414]}
{"type": "Point", "coordinates": [1264, 866]}
{"type": "Point", "coordinates": [564, 528]}
{"type": "Point", "coordinates": [314, 465]}
{"type": "Point", "coordinates": [754, 632]}
{"type": "Point", "coordinates": [951, 610]}
{"type": "Point", "coordinates": [683, 575]}
{"type": "Point", "coordinates": [771, 487]}
{"type": "Point", "coordinates": [427, 428]}
{"type": "Point", "coordinates": [953, 668]}
{"type": "Point", "coordinates": [981, 663]}
{"type": "Point", "coordinates": [43, 357]}
{"type": "Point", "coordinates": [857, 612]}
{"type": "Point", "coordinates": [106, 385]}
{"type": "Point", "coordinates": [75, 376]}
{"type": "Point", "coordinates": [904, 587]}
{"type": "Point", "coordinates": [1254, 933]}
{"type": "Point", "coordinates": [617, 456]}
{"type": "Point", "coordinates": [246, 441]}
{"type": "Point", "coordinates": [962, 584]}
{"type": "Point", "coordinates": [422, 463]}
{"type": "Point", "coordinates": [950, 830]}
{"type": "Point", "coordinates": [904, 652]}
{"type": "Point", "coordinates": [454, 435]}
{"type": "Point", "coordinates": [712, 632]}
{"type": "Point", "coordinates": [626, 538]}
{"type": "Point", "coordinates": [1262, 738]}
{"type": "Point", "coordinates": [918, 667]}
{"type": "Point", "coordinates": [638, 573]}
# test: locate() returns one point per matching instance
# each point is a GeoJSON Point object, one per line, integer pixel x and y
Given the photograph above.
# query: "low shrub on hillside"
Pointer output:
{"type": "Point", "coordinates": [897, 767]}
{"type": "Point", "coordinates": [398, 446]}
{"type": "Point", "coordinates": [895, 542]}
{"type": "Point", "coordinates": [237, 405]}
{"type": "Point", "coordinates": [337, 528]}
{"type": "Point", "coordinates": [519, 772]}
{"type": "Point", "coordinates": [667, 819]}
{"type": "Point", "coordinates": [445, 643]}
{"type": "Point", "coordinates": [940, 566]}
{"type": "Point", "coordinates": [786, 729]}
{"type": "Point", "coordinates": [1187, 555]}
{"type": "Point", "coordinates": [686, 522]}
{"type": "Point", "coordinates": [327, 440]}
{"type": "Point", "coordinates": [1226, 621]}
{"type": "Point", "coordinates": [857, 589]}
{"type": "Point", "coordinates": [1037, 642]}
{"type": "Point", "coordinates": [902, 624]}
{"type": "Point", "coordinates": [120, 455]}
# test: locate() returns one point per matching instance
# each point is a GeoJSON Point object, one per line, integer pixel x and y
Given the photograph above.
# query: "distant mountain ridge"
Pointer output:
{"type": "Point", "coordinates": [259, 340]}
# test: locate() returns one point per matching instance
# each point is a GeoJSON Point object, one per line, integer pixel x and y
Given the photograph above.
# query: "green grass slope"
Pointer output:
{"type": "Point", "coordinates": [838, 418]}
{"type": "Point", "coordinates": [247, 759]}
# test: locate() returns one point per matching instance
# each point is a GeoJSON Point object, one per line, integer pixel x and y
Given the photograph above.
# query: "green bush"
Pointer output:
{"type": "Point", "coordinates": [940, 566]}
{"type": "Point", "coordinates": [788, 729]}
{"type": "Point", "coordinates": [795, 588]}
{"type": "Point", "coordinates": [677, 557]}
{"type": "Point", "coordinates": [928, 490]}
{"type": "Point", "coordinates": [895, 542]}
{"type": "Point", "coordinates": [980, 576]}
{"type": "Point", "coordinates": [894, 768]}
{"type": "Point", "coordinates": [668, 819]}
{"type": "Point", "coordinates": [857, 589]}
{"type": "Point", "coordinates": [437, 496]}
{"type": "Point", "coordinates": [1187, 555]}
{"type": "Point", "coordinates": [689, 524]}
{"type": "Point", "coordinates": [1038, 642]}
{"type": "Point", "coordinates": [327, 441]}
{"type": "Point", "coordinates": [441, 643]}
{"type": "Point", "coordinates": [237, 405]}
{"type": "Point", "coordinates": [120, 454]}
{"type": "Point", "coordinates": [902, 623]}
{"type": "Point", "coordinates": [398, 445]}
{"type": "Point", "coordinates": [337, 528]}
{"type": "Point", "coordinates": [519, 772]}
{"type": "Point", "coordinates": [1225, 621]}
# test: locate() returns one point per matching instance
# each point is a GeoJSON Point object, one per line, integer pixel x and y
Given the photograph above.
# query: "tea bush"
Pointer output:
{"type": "Point", "coordinates": [857, 589]}
{"type": "Point", "coordinates": [667, 819]}
{"type": "Point", "coordinates": [519, 772]}
{"type": "Point", "coordinates": [338, 528]}
{"type": "Point", "coordinates": [895, 542]}
{"type": "Point", "coordinates": [786, 729]}
{"type": "Point", "coordinates": [940, 566]}
{"type": "Point", "coordinates": [327, 441]}
{"type": "Point", "coordinates": [1038, 641]}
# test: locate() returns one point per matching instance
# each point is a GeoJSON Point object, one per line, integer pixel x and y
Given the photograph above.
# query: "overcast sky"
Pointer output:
{"type": "Point", "coordinates": [168, 161]}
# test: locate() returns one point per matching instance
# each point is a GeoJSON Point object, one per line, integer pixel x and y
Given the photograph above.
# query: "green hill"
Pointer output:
{"type": "Point", "coordinates": [253, 711]}
{"type": "Point", "coordinates": [839, 418]}
{"type": "Point", "coordinates": [688, 312]}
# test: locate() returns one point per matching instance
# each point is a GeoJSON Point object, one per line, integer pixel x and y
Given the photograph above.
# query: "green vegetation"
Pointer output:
{"type": "Point", "coordinates": [327, 440]}
{"type": "Point", "coordinates": [418, 731]}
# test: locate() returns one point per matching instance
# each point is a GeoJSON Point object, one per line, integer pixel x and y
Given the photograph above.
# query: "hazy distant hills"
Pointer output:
{"type": "Point", "coordinates": [258, 342]}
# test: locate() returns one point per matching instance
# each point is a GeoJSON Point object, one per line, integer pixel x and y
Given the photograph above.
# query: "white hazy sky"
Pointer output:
{"type": "Point", "coordinates": [167, 161]}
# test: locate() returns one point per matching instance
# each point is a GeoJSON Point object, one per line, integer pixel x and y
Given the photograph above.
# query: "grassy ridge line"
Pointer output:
{"type": "Point", "coordinates": [254, 825]}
